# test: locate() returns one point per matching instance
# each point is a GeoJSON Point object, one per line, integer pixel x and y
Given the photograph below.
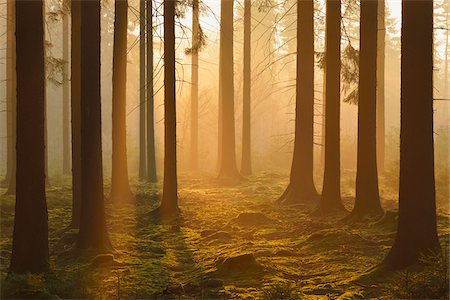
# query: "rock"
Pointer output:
{"type": "Point", "coordinates": [191, 288]}
{"type": "Point", "coordinates": [239, 263]}
{"type": "Point", "coordinates": [251, 218]}
{"type": "Point", "coordinates": [212, 283]}
{"type": "Point", "coordinates": [174, 289]}
{"type": "Point", "coordinates": [103, 260]}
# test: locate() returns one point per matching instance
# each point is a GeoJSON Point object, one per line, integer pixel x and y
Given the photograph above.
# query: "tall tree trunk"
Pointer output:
{"type": "Point", "coordinates": [246, 162]}
{"type": "Point", "coordinates": [331, 193]}
{"type": "Point", "coordinates": [219, 113]}
{"type": "Point", "coordinates": [169, 202]}
{"type": "Point", "coordinates": [93, 236]}
{"type": "Point", "coordinates": [228, 152]}
{"type": "Point", "coordinates": [194, 86]}
{"type": "Point", "coordinates": [380, 86]}
{"type": "Point", "coordinates": [367, 202]}
{"type": "Point", "coordinates": [142, 154]}
{"type": "Point", "coordinates": [301, 187]}
{"type": "Point", "coordinates": [10, 179]}
{"type": "Point", "coordinates": [446, 135]}
{"type": "Point", "coordinates": [30, 237]}
{"type": "Point", "coordinates": [75, 100]}
{"type": "Point", "coordinates": [66, 100]}
{"type": "Point", "coordinates": [151, 153]}
{"type": "Point", "coordinates": [417, 232]}
{"type": "Point", "coordinates": [120, 187]}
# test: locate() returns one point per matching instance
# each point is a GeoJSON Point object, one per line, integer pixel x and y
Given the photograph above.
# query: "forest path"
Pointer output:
{"type": "Point", "coordinates": [233, 241]}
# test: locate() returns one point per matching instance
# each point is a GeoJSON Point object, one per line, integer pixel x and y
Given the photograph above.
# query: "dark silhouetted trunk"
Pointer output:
{"type": "Point", "coordinates": [169, 202]}
{"type": "Point", "coordinates": [246, 162]}
{"type": "Point", "coordinates": [10, 179]}
{"type": "Point", "coordinates": [120, 188]}
{"type": "Point", "coordinates": [367, 202]}
{"type": "Point", "coordinates": [226, 88]}
{"type": "Point", "coordinates": [219, 114]}
{"type": "Point", "coordinates": [75, 101]}
{"type": "Point", "coordinates": [380, 86]}
{"type": "Point", "coordinates": [446, 158]}
{"type": "Point", "coordinates": [93, 236]}
{"type": "Point", "coordinates": [30, 238]}
{"type": "Point", "coordinates": [301, 187]}
{"type": "Point", "coordinates": [151, 153]}
{"type": "Point", "coordinates": [416, 233]}
{"type": "Point", "coordinates": [142, 119]}
{"type": "Point", "coordinates": [194, 86]}
{"type": "Point", "coordinates": [331, 193]}
{"type": "Point", "coordinates": [66, 100]}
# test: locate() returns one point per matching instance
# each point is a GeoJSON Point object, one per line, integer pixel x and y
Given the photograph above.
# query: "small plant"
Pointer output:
{"type": "Point", "coordinates": [281, 292]}
{"type": "Point", "coordinates": [430, 283]}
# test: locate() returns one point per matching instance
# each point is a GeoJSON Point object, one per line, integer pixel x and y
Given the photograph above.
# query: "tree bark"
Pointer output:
{"type": "Point", "coordinates": [66, 99]}
{"type": "Point", "coordinates": [93, 236]}
{"type": "Point", "coordinates": [75, 100]}
{"type": "Point", "coordinates": [169, 201]}
{"type": "Point", "coordinates": [246, 160]}
{"type": "Point", "coordinates": [331, 194]}
{"type": "Point", "coordinates": [30, 238]}
{"type": "Point", "coordinates": [301, 188]}
{"type": "Point", "coordinates": [194, 86]}
{"type": "Point", "coordinates": [380, 86]}
{"type": "Point", "coordinates": [228, 166]}
{"type": "Point", "coordinates": [10, 179]}
{"type": "Point", "coordinates": [151, 153]}
{"type": "Point", "coordinates": [120, 187]}
{"type": "Point", "coordinates": [142, 120]}
{"type": "Point", "coordinates": [417, 232]}
{"type": "Point", "coordinates": [367, 202]}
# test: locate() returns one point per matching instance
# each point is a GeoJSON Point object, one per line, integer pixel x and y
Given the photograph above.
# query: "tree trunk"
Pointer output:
{"type": "Point", "coordinates": [367, 202]}
{"type": "Point", "coordinates": [142, 152]}
{"type": "Point", "coordinates": [10, 179]}
{"type": "Point", "coordinates": [417, 232]}
{"type": "Point", "coordinates": [194, 86]}
{"type": "Point", "coordinates": [380, 86]}
{"type": "Point", "coordinates": [446, 135]}
{"type": "Point", "coordinates": [228, 152]}
{"type": "Point", "coordinates": [93, 236]}
{"type": "Point", "coordinates": [301, 187]}
{"type": "Point", "coordinates": [30, 238]}
{"type": "Point", "coordinates": [169, 202]}
{"type": "Point", "coordinates": [246, 162]}
{"type": "Point", "coordinates": [66, 100]}
{"type": "Point", "coordinates": [331, 193]}
{"type": "Point", "coordinates": [151, 153]}
{"type": "Point", "coordinates": [120, 188]}
{"type": "Point", "coordinates": [75, 99]}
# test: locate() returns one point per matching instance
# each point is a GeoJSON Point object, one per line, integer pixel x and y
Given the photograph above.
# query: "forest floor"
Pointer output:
{"type": "Point", "coordinates": [232, 241]}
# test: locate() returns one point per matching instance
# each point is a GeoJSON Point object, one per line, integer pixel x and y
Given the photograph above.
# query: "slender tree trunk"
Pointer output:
{"type": "Point", "coordinates": [228, 166]}
{"type": "Point", "coordinates": [246, 162]}
{"type": "Point", "coordinates": [30, 237]}
{"type": "Point", "coordinates": [367, 202]}
{"type": "Point", "coordinates": [75, 100]}
{"type": "Point", "coordinates": [93, 236]}
{"type": "Point", "coordinates": [120, 188]}
{"type": "Point", "coordinates": [66, 100]}
{"type": "Point", "coordinates": [169, 202]}
{"type": "Point", "coordinates": [380, 86]}
{"type": "Point", "coordinates": [417, 232]}
{"type": "Point", "coordinates": [301, 187]}
{"type": "Point", "coordinates": [331, 193]}
{"type": "Point", "coordinates": [446, 158]}
{"type": "Point", "coordinates": [194, 86]}
{"type": "Point", "coordinates": [219, 113]}
{"type": "Point", "coordinates": [142, 152]}
{"type": "Point", "coordinates": [10, 179]}
{"type": "Point", "coordinates": [151, 153]}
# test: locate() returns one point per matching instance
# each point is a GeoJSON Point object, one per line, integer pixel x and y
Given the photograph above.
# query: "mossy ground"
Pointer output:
{"type": "Point", "coordinates": [298, 254]}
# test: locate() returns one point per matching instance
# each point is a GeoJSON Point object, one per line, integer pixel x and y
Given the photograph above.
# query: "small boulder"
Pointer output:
{"type": "Point", "coordinates": [212, 283]}
{"type": "Point", "coordinates": [243, 262]}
